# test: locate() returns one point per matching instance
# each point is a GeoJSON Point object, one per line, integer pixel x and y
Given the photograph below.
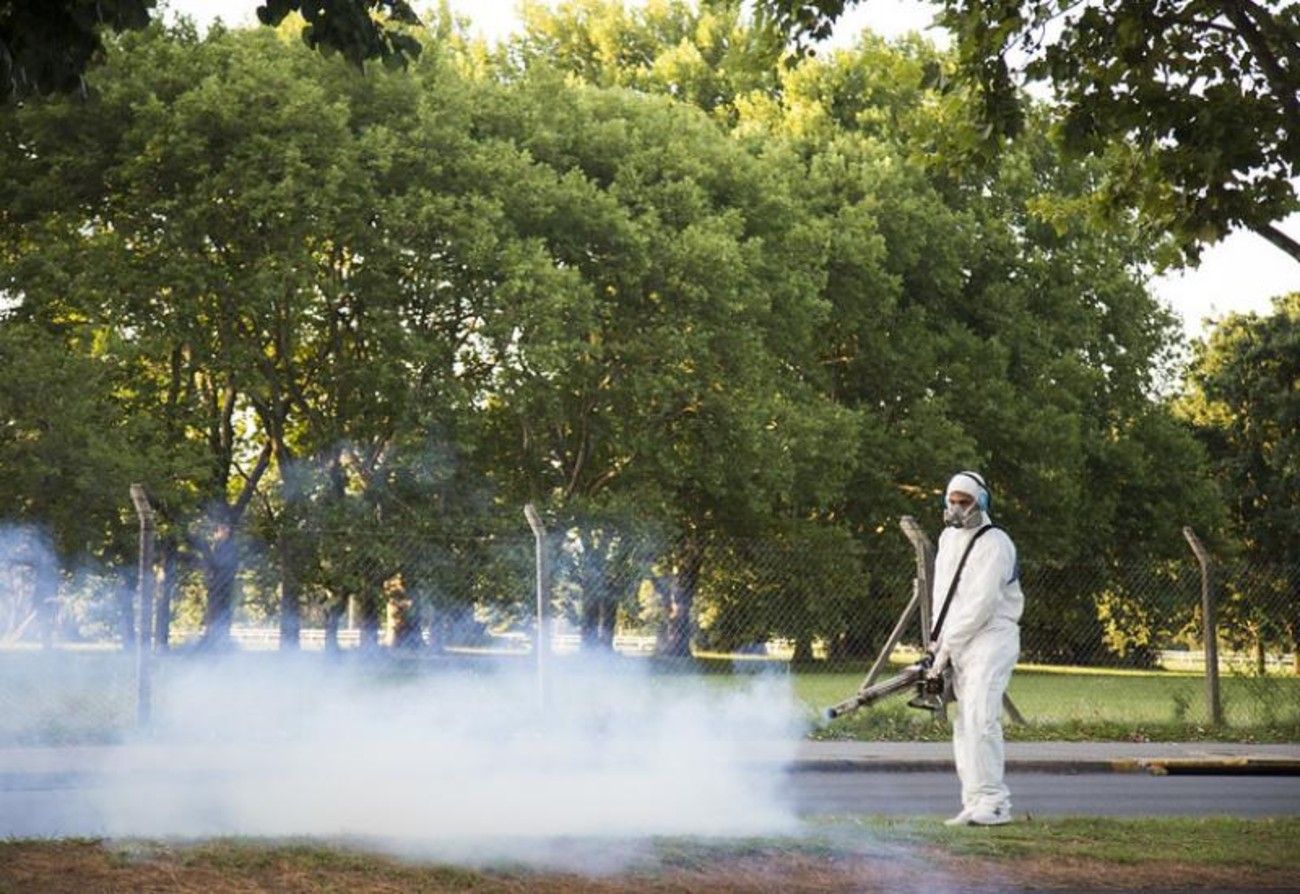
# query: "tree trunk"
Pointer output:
{"type": "Point", "coordinates": [608, 624]}
{"type": "Point", "coordinates": [675, 639]}
{"type": "Point", "coordinates": [221, 561]}
{"type": "Point", "coordinates": [368, 609]}
{"type": "Point", "coordinates": [333, 614]}
{"type": "Point", "coordinates": [663, 587]}
{"type": "Point", "coordinates": [589, 620]}
{"type": "Point", "coordinates": [221, 568]}
{"type": "Point", "coordinates": [291, 492]}
{"type": "Point", "coordinates": [290, 602]}
{"type": "Point", "coordinates": [1261, 659]}
{"type": "Point", "coordinates": [403, 616]}
{"type": "Point", "coordinates": [802, 650]}
{"type": "Point", "coordinates": [595, 595]}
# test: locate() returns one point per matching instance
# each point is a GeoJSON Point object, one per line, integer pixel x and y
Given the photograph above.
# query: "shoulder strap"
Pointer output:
{"type": "Point", "coordinates": [952, 588]}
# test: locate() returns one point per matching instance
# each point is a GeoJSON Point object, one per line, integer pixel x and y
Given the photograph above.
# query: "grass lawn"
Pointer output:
{"type": "Point", "coordinates": [1216, 841]}
{"type": "Point", "coordinates": [70, 696]}
{"type": "Point", "coordinates": [65, 695]}
{"type": "Point", "coordinates": [1081, 703]}
{"type": "Point", "coordinates": [866, 854]}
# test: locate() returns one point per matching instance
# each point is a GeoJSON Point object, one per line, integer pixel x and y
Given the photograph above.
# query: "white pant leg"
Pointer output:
{"type": "Point", "coordinates": [980, 677]}
{"type": "Point", "coordinates": [960, 752]}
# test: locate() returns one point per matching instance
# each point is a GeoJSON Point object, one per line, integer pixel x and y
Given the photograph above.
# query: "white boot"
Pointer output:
{"type": "Point", "coordinates": [961, 819]}
{"type": "Point", "coordinates": [990, 816]}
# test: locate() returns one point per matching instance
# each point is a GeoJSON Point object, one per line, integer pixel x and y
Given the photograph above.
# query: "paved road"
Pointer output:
{"type": "Point", "coordinates": [1049, 794]}
{"type": "Point", "coordinates": [57, 805]}
{"type": "Point", "coordinates": [57, 792]}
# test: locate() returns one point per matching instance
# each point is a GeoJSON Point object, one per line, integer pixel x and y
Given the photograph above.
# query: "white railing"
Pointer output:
{"type": "Point", "coordinates": [254, 638]}
{"type": "Point", "coordinates": [1234, 662]}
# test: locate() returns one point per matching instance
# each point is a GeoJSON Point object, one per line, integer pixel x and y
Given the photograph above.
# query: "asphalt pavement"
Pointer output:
{"type": "Point", "coordinates": [1214, 758]}
{"type": "Point", "coordinates": [1045, 793]}
{"type": "Point", "coordinates": [56, 791]}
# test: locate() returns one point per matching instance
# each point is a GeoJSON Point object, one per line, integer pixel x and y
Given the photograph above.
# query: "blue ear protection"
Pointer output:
{"type": "Point", "coordinates": [983, 500]}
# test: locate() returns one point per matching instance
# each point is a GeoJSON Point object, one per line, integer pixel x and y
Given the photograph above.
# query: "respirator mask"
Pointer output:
{"type": "Point", "coordinates": [957, 515]}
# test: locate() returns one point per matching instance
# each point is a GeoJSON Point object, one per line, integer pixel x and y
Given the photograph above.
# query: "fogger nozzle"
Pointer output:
{"type": "Point", "coordinates": [901, 682]}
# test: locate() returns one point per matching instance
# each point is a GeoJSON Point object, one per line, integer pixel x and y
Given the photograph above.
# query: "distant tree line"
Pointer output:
{"type": "Point", "coordinates": [628, 267]}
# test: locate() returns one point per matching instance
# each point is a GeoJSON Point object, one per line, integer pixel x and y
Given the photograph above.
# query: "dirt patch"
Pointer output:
{"type": "Point", "coordinates": [77, 867]}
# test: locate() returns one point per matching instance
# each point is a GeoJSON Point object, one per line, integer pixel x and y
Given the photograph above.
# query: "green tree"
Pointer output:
{"type": "Point", "coordinates": [658, 360]}
{"type": "Point", "coordinates": [174, 229]}
{"type": "Point", "coordinates": [70, 451]}
{"type": "Point", "coordinates": [1195, 103]}
{"type": "Point", "coordinates": [974, 320]}
{"type": "Point", "coordinates": [67, 364]}
{"type": "Point", "coordinates": [318, 267]}
{"type": "Point", "coordinates": [1243, 397]}
{"type": "Point", "coordinates": [705, 55]}
{"type": "Point", "coordinates": [992, 334]}
{"type": "Point", "coordinates": [785, 308]}
{"type": "Point", "coordinates": [46, 46]}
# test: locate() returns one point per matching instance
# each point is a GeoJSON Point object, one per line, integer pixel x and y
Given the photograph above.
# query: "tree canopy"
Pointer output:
{"type": "Point", "coordinates": [47, 45]}
{"type": "Point", "coordinates": [1244, 398]}
{"type": "Point", "coordinates": [622, 268]}
{"type": "Point", "coordinates": [1195, 104]}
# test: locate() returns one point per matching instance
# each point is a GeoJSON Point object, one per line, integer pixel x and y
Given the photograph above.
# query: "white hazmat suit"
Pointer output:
{"type": "Point", "coordinates": [981, 638]}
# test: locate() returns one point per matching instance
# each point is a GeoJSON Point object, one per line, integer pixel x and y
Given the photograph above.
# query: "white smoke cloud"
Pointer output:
{"type": "Point", "coordinates": [457, 765]}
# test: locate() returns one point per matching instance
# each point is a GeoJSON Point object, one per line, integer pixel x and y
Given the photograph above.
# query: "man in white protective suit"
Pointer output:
{"type": "Point", "coordinates": [979, 633]}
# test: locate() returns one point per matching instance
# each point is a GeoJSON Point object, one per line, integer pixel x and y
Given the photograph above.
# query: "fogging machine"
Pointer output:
{"type": "Point", "coordinates": [930, 693]}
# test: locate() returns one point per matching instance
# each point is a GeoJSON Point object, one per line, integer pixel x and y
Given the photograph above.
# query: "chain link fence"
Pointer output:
{"type": "Point", "coordinates": [1102, 643]}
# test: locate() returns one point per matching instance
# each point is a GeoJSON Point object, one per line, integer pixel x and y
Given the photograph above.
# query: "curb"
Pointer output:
{"type": "Point", "coordinates": [1164, 766]}
{"type": "Point", "coordinates": [1219, 766]}
{"type": "Point", "coordinates": [848, 765]}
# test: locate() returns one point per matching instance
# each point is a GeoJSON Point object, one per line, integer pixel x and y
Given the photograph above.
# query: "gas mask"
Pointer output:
{"type": "Point", "coordinates": [958, 516]}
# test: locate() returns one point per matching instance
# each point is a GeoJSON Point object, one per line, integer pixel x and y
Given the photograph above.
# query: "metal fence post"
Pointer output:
{"type": "Point", "coordinates": [543, 641]}
{"type": "Point", "coordinates": [1209, 611]}
{"type": "Point", "coordinates": [144, 582]}
{"type": "Point", "coordinates": [924, 571]}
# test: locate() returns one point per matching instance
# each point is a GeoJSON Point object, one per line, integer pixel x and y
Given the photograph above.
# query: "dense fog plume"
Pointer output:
{"type": "Point", "coordinates": [457, 764]}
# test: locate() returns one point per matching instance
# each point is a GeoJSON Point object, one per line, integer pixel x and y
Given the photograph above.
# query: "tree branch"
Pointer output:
{"type": "Point", "coordinates": [250, 483]}
{"type": "Point", "coordinates": [1236, 12]}
{"type": "Point", "coordinates": [1281, 240]}
{"type": "Point", "coordinates": [227, 426]}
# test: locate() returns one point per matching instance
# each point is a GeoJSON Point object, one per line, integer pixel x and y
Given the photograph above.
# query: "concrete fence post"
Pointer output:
{"type": "Point", "coordinates": [1210, 634]}
{"type": "Point", "coordinates": [543, 644]}
{"type": "Point", "coordinates": [144, 630]}
{"type": "Point", "coordinates": [924, 571]}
